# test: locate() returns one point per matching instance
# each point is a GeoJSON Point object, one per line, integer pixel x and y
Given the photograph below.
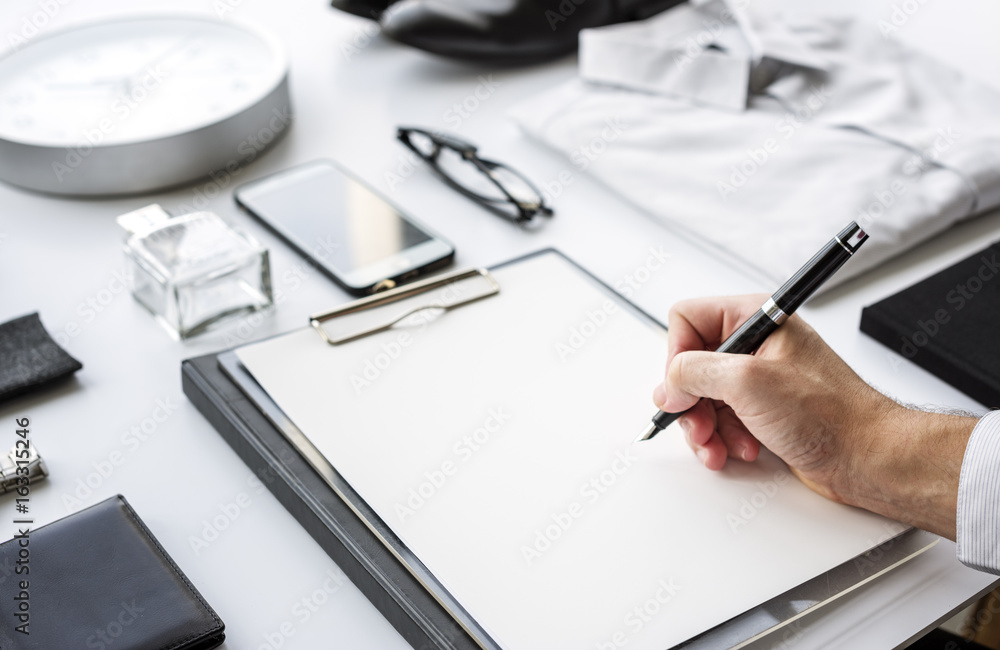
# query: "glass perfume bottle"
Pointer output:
{"type": "Point", "coordinates": [194, 271]}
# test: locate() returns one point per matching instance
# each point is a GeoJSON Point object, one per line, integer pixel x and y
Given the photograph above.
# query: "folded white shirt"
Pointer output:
{"type": "Point", "coordinates": [764, 135]}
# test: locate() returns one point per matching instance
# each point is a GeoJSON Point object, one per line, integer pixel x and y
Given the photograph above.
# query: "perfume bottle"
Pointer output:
{"type": "Point", "coordinates": [193, 271]}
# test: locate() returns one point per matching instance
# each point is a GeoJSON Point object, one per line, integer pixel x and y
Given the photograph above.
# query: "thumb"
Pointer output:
{"type": "Point", "coordinates": [715, 375]}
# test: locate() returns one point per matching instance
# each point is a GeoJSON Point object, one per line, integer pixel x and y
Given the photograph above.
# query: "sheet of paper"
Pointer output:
{"type": "Point", "coordinates": [497, 442]}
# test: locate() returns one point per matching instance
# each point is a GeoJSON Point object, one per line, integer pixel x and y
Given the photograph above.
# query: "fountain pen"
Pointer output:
{"type": "Point", "coordinates": [782, 304]}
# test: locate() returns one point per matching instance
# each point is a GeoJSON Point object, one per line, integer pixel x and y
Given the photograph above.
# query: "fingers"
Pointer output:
{"type": "Point", "coordinates": [741, 444]}
{"type": "Point", "coordinates": [699, 430]}
{"type": "Point", "coordinates": [703, 323]}
{"type": "Point", "coordinates": [693, 375]}
{"type": "Point", "coordinates": [714, 433]}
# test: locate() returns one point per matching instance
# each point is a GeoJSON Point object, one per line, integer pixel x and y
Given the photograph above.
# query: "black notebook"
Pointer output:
{"type": "Point", "coordinates": [948, 324]}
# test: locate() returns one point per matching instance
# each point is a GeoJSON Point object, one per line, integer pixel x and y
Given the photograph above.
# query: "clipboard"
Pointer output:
{"type": "Point", "coordinates": [405, 590]}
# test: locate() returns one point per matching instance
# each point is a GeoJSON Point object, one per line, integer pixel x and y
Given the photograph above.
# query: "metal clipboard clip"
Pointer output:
{"type": "Point", "coordinates": [383, 311]}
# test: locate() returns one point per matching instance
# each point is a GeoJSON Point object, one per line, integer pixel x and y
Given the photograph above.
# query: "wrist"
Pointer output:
{"type": "Point", "coordinates": [912, 467]}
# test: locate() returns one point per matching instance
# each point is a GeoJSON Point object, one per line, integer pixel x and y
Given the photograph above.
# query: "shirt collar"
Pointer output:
{"type": "Point", "coordinates": [711, 52]}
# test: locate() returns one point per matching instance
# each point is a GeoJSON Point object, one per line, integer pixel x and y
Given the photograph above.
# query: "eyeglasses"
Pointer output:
{"type": "Point", "coordinates": [493, 185]}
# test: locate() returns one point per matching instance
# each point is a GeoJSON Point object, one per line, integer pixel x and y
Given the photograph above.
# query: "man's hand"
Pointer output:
{"type": "Point", "coordinates": [841, 437]}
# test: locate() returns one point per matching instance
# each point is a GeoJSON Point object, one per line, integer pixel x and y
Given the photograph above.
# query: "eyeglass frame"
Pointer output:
{"type": "Point", "coordinates": [527, 211]}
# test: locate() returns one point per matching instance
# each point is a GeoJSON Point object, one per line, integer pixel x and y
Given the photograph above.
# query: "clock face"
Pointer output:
{"type": "Point", "coordinates": [132, 80]}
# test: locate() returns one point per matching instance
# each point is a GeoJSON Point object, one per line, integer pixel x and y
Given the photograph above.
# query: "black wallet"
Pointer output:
{"type": "Point", "coordinates": [99, 579]}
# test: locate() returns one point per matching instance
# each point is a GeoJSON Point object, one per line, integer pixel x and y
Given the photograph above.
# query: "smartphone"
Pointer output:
{"type": "Point", "coordinates": [350, 232]}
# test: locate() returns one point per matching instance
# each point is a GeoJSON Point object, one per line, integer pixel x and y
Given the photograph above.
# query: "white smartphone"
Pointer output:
{"type": "Point", "coordinates": [351, 233]}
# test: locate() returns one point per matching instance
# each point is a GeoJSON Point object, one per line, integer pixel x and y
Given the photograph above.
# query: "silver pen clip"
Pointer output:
{"type": "Point", "coordinates": [9, 463]}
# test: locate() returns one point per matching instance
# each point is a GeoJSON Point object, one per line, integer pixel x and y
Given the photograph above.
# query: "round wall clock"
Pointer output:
{"type": "Point", "coordinates": [138, 103]}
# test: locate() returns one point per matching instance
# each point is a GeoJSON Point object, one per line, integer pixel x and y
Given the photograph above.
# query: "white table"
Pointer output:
{"type": "Point", "coordinates": [264, 575]}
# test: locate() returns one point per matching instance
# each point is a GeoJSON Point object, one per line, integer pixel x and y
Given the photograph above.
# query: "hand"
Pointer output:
{"type": "Point", "coordinates": [841, 437]}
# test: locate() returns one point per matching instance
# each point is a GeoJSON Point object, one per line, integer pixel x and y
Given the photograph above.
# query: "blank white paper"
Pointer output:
{"type": "Point", "coordinates": [497, 442]}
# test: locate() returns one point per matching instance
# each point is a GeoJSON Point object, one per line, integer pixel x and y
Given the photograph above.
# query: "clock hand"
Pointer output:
{"type": "Point", "coordinates": [160, 58]}
{"type": "Point", "coordinates": [84, 85]}
{"type": "Point", "coordinates": [223, 72]}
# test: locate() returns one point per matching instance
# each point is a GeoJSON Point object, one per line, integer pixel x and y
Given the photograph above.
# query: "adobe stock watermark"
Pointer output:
{"type": "Point", "coordinates": [109, 635]}
{"type": "Point", "coordinates": [696, 45]}
{"type": "Point", "coordinates": [562, 12]}
{"type": "Point", "coordinates": [407, 161]}
{"type": "Point", "coordinates": [642, 614]}
{"type": "Point", "coordinates": [364, 34]}
{"type": "Point", "coordinates": [462, 452]}
{"type": "Point", "coordinates": [224, 7]}
{"type": "Point", "coordinates": [463, 110]}
{"type": "Point", "coordinates": [406, 164]}
{"type": "Point", "coordinates": [406, 333]}
{"type": "Point", "coordinates": [224, 516]}
{"type": "Point", "coordinates": [790, 634]}
{"type": "Point", "coordinates": [954, 301]}
{"type": "Point", "coordinates": [785, 129]}
{"type": "Point", "coordinates": [32, 24]}
{"type": "Point", "coordinates": [984, 615]}
{"type": "Point", "coordinates": [291, 280]}
{"type": "Point", "coordinates": [595, 319]}
{"type": "Point", "coordinates": [582, 332]}
{"type": "Point", "coordinates": [899, 15]}
{"type": "Point", "coordinates": [303, 610]}
{"type": "Point", "coordinates": [245, 153]}
{"type": "Point", "coordinates": [130, 441]}
{"type": "Point", "coordinates": [88, 309]}
{"type": "Point", "coordinates": [591, 492]}
{"type": "Point", "coordinates": [246, 327]}
{"type": "Point", "coordinates": [375, 365]}
{"type": "Point", "coordinates": [590, 151]}
{"type": "Point", "coordinates": [583, 157]}
{"type": "Point", "coordinates": [751, 507]}
{"type": "Point", "coordinates": [135, 90]}
{"type": "Point", "coordinates": [879, 546]}
{"type": "Point", "coordinates": [913, 167]}
{"type": "Point", "coordinates": [633, 281]}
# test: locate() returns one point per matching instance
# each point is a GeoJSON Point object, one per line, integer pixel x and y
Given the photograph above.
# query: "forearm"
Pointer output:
{"type": "Point", "coordinates": [911, 471]}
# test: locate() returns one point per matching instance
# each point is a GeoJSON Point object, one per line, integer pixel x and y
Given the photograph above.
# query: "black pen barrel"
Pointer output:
{"type": "Point", "coordinates": [818, 270]}
{"type": "Point", "coordinates": [750, 335]}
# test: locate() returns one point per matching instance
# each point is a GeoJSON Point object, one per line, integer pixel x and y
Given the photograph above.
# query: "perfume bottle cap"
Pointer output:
{"type": "Point", "coordinates": [143, 219]}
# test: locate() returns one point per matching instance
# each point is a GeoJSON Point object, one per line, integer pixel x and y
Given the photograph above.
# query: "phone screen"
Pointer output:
{"type": "Point", "coordinates": [332, 217]}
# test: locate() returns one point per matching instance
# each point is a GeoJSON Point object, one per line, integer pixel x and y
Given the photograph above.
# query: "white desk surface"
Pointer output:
{"type": "Point", "coordinates": [263, 574]}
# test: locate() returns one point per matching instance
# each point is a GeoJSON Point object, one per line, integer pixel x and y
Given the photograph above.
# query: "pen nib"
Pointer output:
{"type": "Point", "coordinates": [648, 433]}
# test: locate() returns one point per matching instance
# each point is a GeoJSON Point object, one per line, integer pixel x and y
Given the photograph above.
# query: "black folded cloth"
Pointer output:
{"type": "Point", "coordinates": [505, 32]}
{"type": "Point", "coordinates": [29, 358]}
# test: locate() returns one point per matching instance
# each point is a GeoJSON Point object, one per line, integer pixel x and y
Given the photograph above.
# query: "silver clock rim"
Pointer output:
{"type": "Point", "coordinates": [279, 59]}
{"type": "Point", "coordinates": [175, 158]}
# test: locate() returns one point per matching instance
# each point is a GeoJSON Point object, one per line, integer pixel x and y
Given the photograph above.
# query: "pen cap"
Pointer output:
{"type": "Point", "coordinates": [852, 237]}
{"type": "Point", "coordinates": [819, 269]}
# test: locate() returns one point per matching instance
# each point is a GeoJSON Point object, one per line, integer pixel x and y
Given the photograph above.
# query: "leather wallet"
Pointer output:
{"type": "Point", "coordinates": [99, 579]}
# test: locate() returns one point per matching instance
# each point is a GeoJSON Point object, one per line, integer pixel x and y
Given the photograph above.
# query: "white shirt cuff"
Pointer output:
{"type": "Point", "coordinates": [978, 525]}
